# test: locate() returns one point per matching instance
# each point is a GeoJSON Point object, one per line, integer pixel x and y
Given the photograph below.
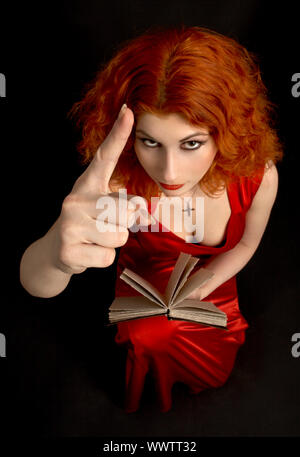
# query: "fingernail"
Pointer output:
{"type": "Point", "coordinates": [122, 110]}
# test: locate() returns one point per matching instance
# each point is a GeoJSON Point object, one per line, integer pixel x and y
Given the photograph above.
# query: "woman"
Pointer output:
{"type": "Point", "coordinates": [196, 123]}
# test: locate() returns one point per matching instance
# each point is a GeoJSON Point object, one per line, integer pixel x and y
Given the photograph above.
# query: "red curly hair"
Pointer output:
{"type": "Point", "coordinates": [209, 78]}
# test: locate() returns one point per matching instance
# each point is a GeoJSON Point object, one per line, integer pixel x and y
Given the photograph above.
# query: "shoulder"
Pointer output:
{"type": "Point", "coordinates": [251, 191]}
{"type": "Point", "coordinates": [267, 190]}
{"type": "Point", "coordinates": [269, 183]}
{"type": "Point", "coordinates": [259, 212]}
{"type": "Point", "coordinates": [270, 178]}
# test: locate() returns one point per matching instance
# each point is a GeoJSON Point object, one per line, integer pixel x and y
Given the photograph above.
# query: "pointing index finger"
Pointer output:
{"type": "Point", "coordinates": [100, 170]}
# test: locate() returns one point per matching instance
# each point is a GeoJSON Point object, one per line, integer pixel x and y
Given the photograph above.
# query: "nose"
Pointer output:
{"type": "Point", "coordinates": [169, 167]}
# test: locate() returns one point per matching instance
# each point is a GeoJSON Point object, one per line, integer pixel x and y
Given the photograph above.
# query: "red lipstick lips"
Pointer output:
{"type": "Point", "coordinates": [171, 186]}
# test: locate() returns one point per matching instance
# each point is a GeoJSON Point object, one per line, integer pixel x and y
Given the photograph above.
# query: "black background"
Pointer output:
{"type": "Point", "coordinates": [63, 376]}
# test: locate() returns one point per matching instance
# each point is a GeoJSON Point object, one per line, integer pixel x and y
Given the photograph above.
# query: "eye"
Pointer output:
{"type": "Point", "coordinates": [145, 140]}
{"type": "Point", "coordinates": [190, 145]}
{"type": "Point", "coordinates": [194, 144]}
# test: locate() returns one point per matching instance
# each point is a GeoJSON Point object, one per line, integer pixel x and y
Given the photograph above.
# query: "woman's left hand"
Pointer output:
{"type": "Point", "coordinates": [197, 294]}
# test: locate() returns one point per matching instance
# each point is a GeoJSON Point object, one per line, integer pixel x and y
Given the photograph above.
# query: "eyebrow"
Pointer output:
{"type": "Point", "coordinates": [183, 139]}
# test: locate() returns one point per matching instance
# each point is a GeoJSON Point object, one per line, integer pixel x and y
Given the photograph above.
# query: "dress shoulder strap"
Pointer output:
{"type": "Point", "coordinates": [245, 189]}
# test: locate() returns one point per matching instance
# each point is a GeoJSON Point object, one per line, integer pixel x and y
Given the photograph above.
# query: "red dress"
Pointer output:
{"type": "Point", "coordinates": [176, 350]}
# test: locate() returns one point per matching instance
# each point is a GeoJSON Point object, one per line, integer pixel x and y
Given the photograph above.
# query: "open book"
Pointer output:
{"type": "Point", "coordinates": [173, 302]}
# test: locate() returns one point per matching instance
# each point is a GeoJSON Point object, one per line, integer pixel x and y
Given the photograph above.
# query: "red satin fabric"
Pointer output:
{"type": "Point", "coordinates": [175, 350]}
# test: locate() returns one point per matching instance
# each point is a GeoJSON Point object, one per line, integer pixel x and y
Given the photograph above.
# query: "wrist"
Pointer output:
{"type": "Point", "coordinates": [209, 286]}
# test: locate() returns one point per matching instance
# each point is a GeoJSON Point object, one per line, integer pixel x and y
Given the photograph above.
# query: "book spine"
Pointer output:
{"type": "Point", "coordinates": [168, 315]}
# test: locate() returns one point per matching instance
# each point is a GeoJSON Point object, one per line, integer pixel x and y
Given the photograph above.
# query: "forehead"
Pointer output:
{"type": "Point", "coordinates": [172, 123]}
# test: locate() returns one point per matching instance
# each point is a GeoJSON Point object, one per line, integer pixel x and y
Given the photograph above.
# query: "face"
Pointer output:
{"type": "Point", "coordinates": [173, 152]}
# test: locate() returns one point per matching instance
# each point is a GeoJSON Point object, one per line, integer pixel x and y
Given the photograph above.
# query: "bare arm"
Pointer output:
{"type": "Point", "coordinates": [75, 243]}
{"type": "Point", "coordinates": [229, 263]}
{"type": "Point", "coordinates": [39, 274]}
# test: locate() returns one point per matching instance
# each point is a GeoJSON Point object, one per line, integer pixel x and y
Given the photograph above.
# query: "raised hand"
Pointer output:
{"type": "Point", "coordinates": [81, 241]}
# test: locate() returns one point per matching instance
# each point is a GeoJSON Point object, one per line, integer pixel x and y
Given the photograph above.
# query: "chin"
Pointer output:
{"type": "Point", "coordinates": [174, 193]}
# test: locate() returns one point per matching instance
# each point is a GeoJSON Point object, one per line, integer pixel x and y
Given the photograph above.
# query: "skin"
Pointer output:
{"type": "Point", "coordinates": [168, 159]}
{"type": "Point", "coordinates": [74, 243]}
{"type": "Point", "coordinates": [228, 264]}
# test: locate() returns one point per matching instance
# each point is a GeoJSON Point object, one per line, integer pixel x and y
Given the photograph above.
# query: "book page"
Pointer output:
{"type": "Point", "coordinates": [180, 280]}
{"type": "Point", "coordinates": [205, 306]}
{"type": "Point", "coordinates": [191, 315]}
{"type": "Point", "coordinates": [128, 308]}
{"type": "Point", "coordinates": [142, 286]}
{"type": "Point", "coordinates": [179, 267]}
{"type": "Point", "coordinates": [196, 280]}
{"type": "Point", "coordinates": [136, 303]}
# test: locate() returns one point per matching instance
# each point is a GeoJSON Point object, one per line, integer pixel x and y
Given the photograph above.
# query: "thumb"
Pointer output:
{"type": "Point", "coordinates": [142, 217]}
{"type": "Point", "coordinates": [195, 295]}
{"type": "Point", "coordinates": [146, 217]}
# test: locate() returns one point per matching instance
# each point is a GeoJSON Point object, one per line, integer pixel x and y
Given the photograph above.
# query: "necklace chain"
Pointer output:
{"type": "Point", "coordinates": [188, 208]}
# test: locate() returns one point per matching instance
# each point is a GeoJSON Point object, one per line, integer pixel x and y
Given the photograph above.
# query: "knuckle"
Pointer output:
{"type": "Point", "coordinates": [66, 254]}
{"type": "Point", "coordinates": [98, 153]}
{"type": "Point", "coordinates": [114, 133]}
{"type": "Point", "coordinates": [123, 237]}
{"type": "Point", "coordinates": [70, 201]}
{"type": "Point", "coordinates": [108, 257]}
{"type": "Point", "coordinates": [68, 232]}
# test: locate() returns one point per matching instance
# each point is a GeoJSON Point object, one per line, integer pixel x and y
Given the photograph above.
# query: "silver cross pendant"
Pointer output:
{"type": "Point", "coordinates": [189, 209]}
